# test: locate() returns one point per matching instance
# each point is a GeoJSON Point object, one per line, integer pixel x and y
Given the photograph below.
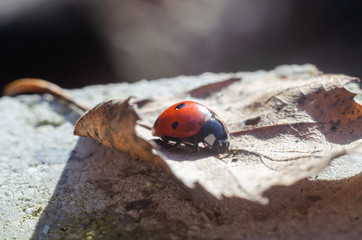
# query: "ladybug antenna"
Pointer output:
{"type": "Point", "coordinates": [144, 125]}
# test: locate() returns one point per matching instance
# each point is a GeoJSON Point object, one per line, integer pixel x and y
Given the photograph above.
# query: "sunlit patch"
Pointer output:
{"type": "Point", "coordinates": [210, 139]}
{"type": "Point", "coordinates": [206, 112]}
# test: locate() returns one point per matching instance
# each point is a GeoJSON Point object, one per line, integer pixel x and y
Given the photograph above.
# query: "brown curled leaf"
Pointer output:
{"type": "Point", "coordinates": [35, 85]}
{"type": "Point", "coordinates": [286, 129]}
{"type": "Point", "coordinates": [112, 123]}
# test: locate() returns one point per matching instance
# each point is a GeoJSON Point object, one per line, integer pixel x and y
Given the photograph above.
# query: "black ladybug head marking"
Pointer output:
{"type": "Point", "coordinates": [181, 105]}
{"type": "Point", "coordinates": [174, 125]}
{"type": "Point", "coordinates": [222, 145]}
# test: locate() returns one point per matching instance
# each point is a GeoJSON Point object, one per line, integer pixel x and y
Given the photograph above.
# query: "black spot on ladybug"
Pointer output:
{"type": "Point", "coordinates": [174, 125]}
{"type": "Point", "coordinates": [181, 105]}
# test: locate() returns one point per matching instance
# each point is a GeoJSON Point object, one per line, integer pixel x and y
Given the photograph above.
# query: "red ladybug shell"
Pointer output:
{"type": "Point", "coordinates": [182, 120]}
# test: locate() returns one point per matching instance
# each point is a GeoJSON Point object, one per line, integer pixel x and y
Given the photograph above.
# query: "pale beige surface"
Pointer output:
{"type": "Point", "coordinates": [55, 185]}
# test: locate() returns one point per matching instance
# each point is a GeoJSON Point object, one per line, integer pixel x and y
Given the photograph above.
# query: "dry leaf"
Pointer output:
{"type": "Point", "coordinates": [35, 85]}
{"type": "Point", "coordinates": [284, 130]}
{"type": "Point", "coordinates": [113, 124]}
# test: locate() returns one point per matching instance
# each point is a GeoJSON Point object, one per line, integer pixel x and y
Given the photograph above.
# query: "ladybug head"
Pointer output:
{"type": "Point", "coordinates": [222, 145]}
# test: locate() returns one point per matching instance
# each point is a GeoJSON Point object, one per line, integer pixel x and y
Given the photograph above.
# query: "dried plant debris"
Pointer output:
{"type": "Point", "coordinates": [284, 129]}
{"type": "Point", "coordinates": [112, 123]}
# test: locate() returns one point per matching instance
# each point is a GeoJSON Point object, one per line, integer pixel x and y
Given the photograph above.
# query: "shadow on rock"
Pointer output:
{"type": "Point", "coordinates": [104, 194]}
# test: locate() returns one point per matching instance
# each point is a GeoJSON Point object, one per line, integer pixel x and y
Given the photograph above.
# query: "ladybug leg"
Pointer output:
{"type": "Point", "coordinates": [164, 139]}
{"type": "Point", "coordinates": [196, 144]}
{"type": "Point", "coordinates": [175, 145]}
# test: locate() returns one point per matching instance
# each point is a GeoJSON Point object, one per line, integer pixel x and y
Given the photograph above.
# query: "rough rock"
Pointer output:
{"type": "Point", "coordinates": [55, 185]}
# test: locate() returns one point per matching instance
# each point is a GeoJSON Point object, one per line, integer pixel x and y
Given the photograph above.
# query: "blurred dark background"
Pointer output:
{"type": "Point", "coordinates": [78, 43]}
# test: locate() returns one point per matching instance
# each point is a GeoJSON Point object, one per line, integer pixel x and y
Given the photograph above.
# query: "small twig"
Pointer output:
{"type": "Point", "coordinates": [258, 127]}
{"type": "Point", "coordinates": [261, 156]}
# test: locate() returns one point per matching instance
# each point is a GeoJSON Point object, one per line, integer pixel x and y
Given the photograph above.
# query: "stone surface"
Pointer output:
{"type": "Point", "coordinates": [55, 185]}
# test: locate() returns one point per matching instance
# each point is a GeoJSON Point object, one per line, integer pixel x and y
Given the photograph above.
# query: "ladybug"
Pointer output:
{"type": "Point", "coordinates": [192, 122]}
